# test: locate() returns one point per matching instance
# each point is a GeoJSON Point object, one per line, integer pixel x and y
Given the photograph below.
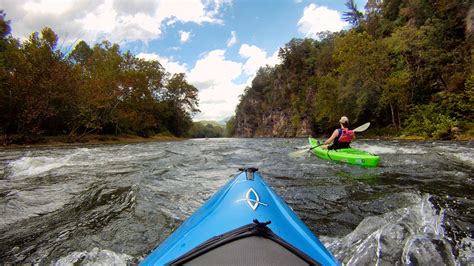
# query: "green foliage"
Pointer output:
{"type": "Point", "coordinates": [205, 129]}
{"type": "Point", "coordinates": [427, 121]}
{"type": "Point", "coordinates": [4, 25]}
{"type": "Point", "coordinates": [182, 94]}
{"type": "Point", "coordinates": [326, 102]}
{"type": "Point", "coordinates": [98, 89]}
{"type": "Point", "coordinates": [230, 127]}
{"type": "Point", "coordinates": [81, 53]}
{"type": "Point", "coordinates": [406, 65]}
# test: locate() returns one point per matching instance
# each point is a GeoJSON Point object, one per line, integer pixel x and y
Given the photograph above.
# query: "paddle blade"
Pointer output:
{"type": "Point", "coordinates": [364, 127]}
{"type": "Point", "coordinates": [300, 152]}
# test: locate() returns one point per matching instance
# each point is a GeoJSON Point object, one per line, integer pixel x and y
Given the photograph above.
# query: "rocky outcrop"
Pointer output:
{"type": "Point", "coordinates": [274, 124]}
{"type": "Point", "coordinates": [305, 128]}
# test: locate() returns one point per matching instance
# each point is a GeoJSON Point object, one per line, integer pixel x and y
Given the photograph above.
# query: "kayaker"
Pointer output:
{"type": "Point", "coordinates": [341, 137]}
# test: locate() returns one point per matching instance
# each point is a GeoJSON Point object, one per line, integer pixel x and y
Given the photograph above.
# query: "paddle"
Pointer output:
{"type": "Point", "coordinates": [362, 128]}
{"type": "Point", "coordinates": [306, 148]}
{"type": "Point", "coordinates": [303, 150]}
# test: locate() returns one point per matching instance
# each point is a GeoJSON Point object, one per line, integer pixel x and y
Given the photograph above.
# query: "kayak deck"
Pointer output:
{"type": "Point", "coordinates": [244, 223]}
{"type": "Point", "coordinates": [347, 155]}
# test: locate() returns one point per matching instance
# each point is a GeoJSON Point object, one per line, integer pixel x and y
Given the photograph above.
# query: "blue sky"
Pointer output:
{"type": "Point", "coordinates": [219, 44]}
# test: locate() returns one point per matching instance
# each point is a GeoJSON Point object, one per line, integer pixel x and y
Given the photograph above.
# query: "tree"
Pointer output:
{"type": "Point", "coordinates": [230, 127]}
{"type": "Point", "coordinates": [182, 94]}
{"type": "Point", "coordinates": [353, 16]}
{"type": "Point", "coordinates": [8, 51]}
{"type": "Point", "coordinates": [98, 89]}
{"type": "Point", "coordinates": [4, 26]}
{"type": "Point", "coordinates": [202, 129]}
{"type": "Point", "coordinates": [81, 53]}
{"type": "Point", "coordinates": [43, 85]}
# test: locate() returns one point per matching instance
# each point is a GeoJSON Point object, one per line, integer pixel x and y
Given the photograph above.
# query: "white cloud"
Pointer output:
{"type": "Point", "coordinates": [186, 11]}
{"type": "Point", "coordinates": [47, 6]}
{"type": "Point", "coordinates": [171, 66]}
{"type": "Point", "coordinates": [128, 7]}
{"type": "Point", "coordinates": [214, 76]}
{"type": "Point", "coordinates": [219, 102]}
{"type": "Point", "coordinates": [256, 58]}
{"type": "Point", "coordinates": [214, 69]}
{"type": "Point", "coordinates": [232, 40]}
{"type": "Point", "coordinates": [318, 19]}
{"type": "Point", "coordinates": [114, 20]}
{"type": "Point", "coordinates": [274, 59]}
{"type": "Point", "coordinates": [184, 36]}
{"type": "Point", "coordinates": [102, 19]}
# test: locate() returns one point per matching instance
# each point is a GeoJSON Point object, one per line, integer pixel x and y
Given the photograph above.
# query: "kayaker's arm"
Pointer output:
{"type": "Point", "coordinates": [331, 139]}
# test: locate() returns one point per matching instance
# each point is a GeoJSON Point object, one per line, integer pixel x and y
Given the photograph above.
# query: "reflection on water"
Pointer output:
{"type": "Point", "coordinates": [113, 204]}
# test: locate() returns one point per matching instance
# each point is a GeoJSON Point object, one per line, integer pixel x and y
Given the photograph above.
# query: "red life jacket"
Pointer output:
{"type": "Point", "coordinates": [346, 135]}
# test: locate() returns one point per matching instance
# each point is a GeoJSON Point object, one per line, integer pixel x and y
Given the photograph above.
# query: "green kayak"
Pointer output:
{"type": "Point", "coordinates": [348, 155]}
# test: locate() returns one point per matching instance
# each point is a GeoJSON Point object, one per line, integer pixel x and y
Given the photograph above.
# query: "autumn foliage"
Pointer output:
{"type": "Point", "coordinates": [47, 92]}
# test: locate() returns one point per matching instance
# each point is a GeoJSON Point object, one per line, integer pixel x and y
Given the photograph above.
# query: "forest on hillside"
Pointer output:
{"type": "Point", "coordinates": [45, 91]}
{"type": "Point", "coordinates": [405, 65]}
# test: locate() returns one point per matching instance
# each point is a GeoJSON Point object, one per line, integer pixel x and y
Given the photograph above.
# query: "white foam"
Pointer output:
{"type": "Point", "coordinates": [411, 150]}
{"type": "Point", "coordinates": [410, 162]}
{"type": "Point", "coordinates": [33, 166]}
{"type": "Point", "coordinates": [467, 157]}
{"type": "Point", "coordinates": [29, 165]}
{"type": "Point", "coordinates": [378, 149]}
{"type": "Point", "coordinates": [415, 232]}
{"type": "Point", "coordinates": [462, 152]}
{"type": "Point", "coordinates": [466, 252]}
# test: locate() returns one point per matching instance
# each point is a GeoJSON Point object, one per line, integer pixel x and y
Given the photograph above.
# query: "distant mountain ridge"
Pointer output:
{"type": "Point", "coordinates": [211, 122]}
{"type": "Point", "coordinates": [207, 129]}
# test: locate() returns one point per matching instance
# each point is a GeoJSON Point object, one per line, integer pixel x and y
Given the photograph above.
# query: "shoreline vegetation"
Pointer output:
{"type": "Point", "coordinates": [48, 95]}
{"type": "Point", "coordinates": [92, 139]}
{"type": "Point", "coordinates": [97, 139]}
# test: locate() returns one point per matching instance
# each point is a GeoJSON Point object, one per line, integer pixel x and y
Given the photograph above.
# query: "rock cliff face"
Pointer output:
{"type": "Point", "coordinates": [470, 20]}
{"type": "Point", "coordinates": [273, 124]}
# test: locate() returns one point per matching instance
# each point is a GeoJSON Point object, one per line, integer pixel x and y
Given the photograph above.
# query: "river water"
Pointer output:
{"type": "Point", "coordinates": [112, 204]}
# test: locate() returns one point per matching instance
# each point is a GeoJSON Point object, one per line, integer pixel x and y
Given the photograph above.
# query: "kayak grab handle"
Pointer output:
{"type": "Point", "coordinates": [249, 172]}
{"type": "Point", "coordinates": [264, 224]}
